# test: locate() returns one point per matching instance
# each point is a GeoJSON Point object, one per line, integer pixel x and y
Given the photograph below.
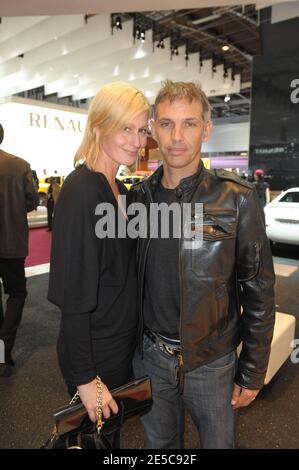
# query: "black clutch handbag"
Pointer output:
{"type": "Point", "coordinates": [74, 430]}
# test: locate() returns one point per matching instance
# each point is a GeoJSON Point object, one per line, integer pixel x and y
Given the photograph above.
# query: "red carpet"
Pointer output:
{"type": "Point", "coordinates": [39, 247]}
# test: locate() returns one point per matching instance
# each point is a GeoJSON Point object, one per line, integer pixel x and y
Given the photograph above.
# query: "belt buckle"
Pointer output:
{"type": "Point", "coordinates": [163, 347]}
{"type": "Point", "coordinates": [170, 350]}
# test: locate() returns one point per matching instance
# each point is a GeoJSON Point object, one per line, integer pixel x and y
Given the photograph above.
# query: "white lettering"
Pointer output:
{"type": "Point", "coordinates": [105, 227]}
{"type": "Point", "coordinates": [191, 221]}
{"type": "Point", "coordinates": [114, 460]}
{"type": "Point", "coordinates": [295, 93]}
{"type": "Point", "coordinates": [137, 226]}
{"type": "Point", "coordinates": [2, 351]}
{"type": "Point", "coordinates": [295, 353]}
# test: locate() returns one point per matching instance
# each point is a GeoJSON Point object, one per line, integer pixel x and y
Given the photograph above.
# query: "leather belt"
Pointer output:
{"type": "Point", "coordinates": [164, 347]}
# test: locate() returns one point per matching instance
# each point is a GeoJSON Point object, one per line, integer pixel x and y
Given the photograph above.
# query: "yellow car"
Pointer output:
{"type": "Point", "coordinates": [129, 180]}
{"type": "Point", "coordinates": [43, 185]}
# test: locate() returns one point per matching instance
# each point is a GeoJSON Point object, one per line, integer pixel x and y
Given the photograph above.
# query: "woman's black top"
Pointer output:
{"type": "Point", "coordinates": [93, 282]}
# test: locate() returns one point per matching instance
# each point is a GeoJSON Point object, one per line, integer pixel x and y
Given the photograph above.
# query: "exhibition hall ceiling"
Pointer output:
{"type": "Point", "coordinates": [57, 7]}
{"type": "Point", "coordinates": [66, 58]}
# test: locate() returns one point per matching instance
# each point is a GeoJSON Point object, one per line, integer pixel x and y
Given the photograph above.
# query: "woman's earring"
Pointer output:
{"type": "Point", "coordinates": [141, 153]}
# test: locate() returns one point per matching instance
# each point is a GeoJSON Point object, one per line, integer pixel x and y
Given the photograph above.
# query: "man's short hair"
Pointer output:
{"type": "Point", "coordinates": [184, 90]}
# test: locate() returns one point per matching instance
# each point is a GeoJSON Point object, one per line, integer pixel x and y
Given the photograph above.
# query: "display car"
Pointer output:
{"type": "Point", "coordinates": [282, 217]}
{"type": "Point", "coordinates": [131, 179]}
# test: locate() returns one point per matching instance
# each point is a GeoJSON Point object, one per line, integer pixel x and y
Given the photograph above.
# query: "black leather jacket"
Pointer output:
{"type": "Point", "coordinates": [231, 272]}
{"type": "Point", "coordinates": [17, 197]}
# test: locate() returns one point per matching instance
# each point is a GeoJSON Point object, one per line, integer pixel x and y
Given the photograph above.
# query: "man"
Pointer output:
{"type": "Point", "coordinates": [17, 197]}
{"type": "Point", "coordinates": [191, 299]}
{"type": "Point", "coordinates": [262, 188]}
{"type": "Point", "coordinates": [52, 196]}
{"type": "Point", "coordinates": [35, 179]}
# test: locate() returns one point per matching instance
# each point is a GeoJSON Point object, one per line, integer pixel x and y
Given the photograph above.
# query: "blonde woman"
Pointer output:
{"type": "Point", "coordinates": [93, 279]}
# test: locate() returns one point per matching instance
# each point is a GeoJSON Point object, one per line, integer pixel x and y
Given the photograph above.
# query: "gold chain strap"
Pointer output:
{"type": "Point", "coordinates": [75, 398]}
{"type": "Point", "coordinates": [99, 403]}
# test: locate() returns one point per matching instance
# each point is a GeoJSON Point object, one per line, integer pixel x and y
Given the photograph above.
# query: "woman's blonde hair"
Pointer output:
{"type": "Point", "coordinates": [111, 109]}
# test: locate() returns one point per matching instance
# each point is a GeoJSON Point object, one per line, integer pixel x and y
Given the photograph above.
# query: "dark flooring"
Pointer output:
{"type": "Point", "coordinates": [28, 397]}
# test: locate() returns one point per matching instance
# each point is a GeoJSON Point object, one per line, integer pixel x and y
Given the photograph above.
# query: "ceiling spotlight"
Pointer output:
{"type": "Point", "coordinates": [200, 58]}
{"type": "Point", "coordinates": [225, 47]}
{"type": "Point", "coordinates": [214, 69]}
{"type": "Point", "coordinates": [187, 52]}
{"type": "Point", "coordinates": [226, 98]}
{"type": "Point", "coordinates": [118, 23]}
{"type": "Point", "coordinates": [233, 72]}
{"type": "Point", "coordinates": [161, 44]}
{"type": "Point", "coordinates": [142, 35]}
{"type": "Point", "coordinates": [137, 32]}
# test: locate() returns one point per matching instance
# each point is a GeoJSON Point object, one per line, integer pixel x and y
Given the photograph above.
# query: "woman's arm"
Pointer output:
{"type": "Point", "coordinates": [77, 335]}
{"type": "Point", "coordinates": [76, 331]}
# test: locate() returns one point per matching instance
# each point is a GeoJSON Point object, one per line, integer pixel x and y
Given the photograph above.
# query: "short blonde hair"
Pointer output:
{"type": "Point", "coordinates": [110, 110]}
{"type": "Point", "coordinates": [184, 90]}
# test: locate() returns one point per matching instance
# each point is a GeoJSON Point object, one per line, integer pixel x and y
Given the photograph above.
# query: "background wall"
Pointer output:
{"type": "Point", "coordinates": [228, 138]}
{"type": "Point", "coordinates": [274, 127]}
{"type": "Point", "coordinates": [46, 136]}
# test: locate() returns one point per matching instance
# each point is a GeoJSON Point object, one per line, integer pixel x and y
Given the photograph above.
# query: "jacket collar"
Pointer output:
{"type": "Point", "coordinates": [185, 185]}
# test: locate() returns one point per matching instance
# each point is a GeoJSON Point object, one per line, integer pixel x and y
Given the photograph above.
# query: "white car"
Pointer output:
{"type": "Point", "coordinates": [282, 217]}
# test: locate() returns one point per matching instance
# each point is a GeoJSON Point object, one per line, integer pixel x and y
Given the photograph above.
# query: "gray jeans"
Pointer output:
{"type": "Point", "coordinates": [207, 395]}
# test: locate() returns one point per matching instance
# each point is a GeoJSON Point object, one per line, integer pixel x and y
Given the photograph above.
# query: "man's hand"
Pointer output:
{"type": "Point", "coordinates": [88, 396]}
{"type": "Point", "coordinates": [242, 396]}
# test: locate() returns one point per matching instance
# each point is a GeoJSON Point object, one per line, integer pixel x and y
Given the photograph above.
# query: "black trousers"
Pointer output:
{"type": "Point", "coordinates": [12, 274]}
{"type": "Point", "coordinates": [50, 210]}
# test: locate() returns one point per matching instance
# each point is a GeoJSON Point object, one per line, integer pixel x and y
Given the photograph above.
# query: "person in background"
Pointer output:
{"type": "Point", "coordinates": [17, 197]}
{"type": "Point", "coordinates": [52, 196]}
{"type": "Point", "coordinates": [35, 179]}
{"type": "Point", "coordinates": [203, 292]}
{"type": "Point", "coordinates": [93, 278]}
{"type": "Point", "coordinates": [262, 188]}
